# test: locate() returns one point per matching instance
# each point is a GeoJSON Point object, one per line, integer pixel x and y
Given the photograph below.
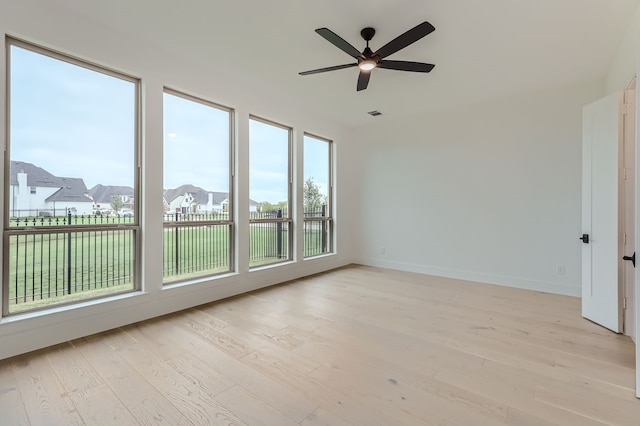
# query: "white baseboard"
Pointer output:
{"type": "Point", "coordinates": [481, 277]}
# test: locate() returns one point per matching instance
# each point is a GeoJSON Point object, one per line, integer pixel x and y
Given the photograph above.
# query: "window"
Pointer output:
{"type": "Point", "coordinates": [198, 217]}
{"type": "Point", "coordinates": [317, 196]}
{"type": "Point", "coordinates": [269, 193]}
{"type": "Point", "coordinates": [72, 142]}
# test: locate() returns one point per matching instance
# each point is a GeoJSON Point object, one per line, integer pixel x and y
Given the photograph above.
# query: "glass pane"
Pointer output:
{"type": "Point", "coordinates": [196, 188]}
{"type": "Point", "coordinates": [72, 163]}
{"type": "Point", "coordinates": [196, 156]}
{"type": "Point", "coordinates": [316, 237]}
{"type": "Point", "coordinates": [59, 267]}
{"type": "Point", "coordinates": [268, 168]}
{"type": "Point", "coordinates": [316, 176]}
{"type": "Point", "coordinates": [194, 250]}
{"type": "Point", "coordinates": [72, 139]}
{"type": "Point", "coordinates": [316, 196]}
{"type": "Point", "coordinates": [269, 243]}
{"type": "Point", "coordinates": [269, 239]}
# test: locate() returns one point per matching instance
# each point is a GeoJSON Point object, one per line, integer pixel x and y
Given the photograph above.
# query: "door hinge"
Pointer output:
{"type": "Point", "coordinates": [625, 238]}
{"type": "Point", "coordinates": [624, 302]}
{"type": "Point", "coordinates": [625, 109]}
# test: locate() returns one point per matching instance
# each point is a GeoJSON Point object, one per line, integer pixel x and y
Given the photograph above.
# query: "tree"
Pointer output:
{"type": "Point", "coordinates": [282, 205]}
{"type": "Point", "coordinates": [116, 203]}
{"type": "Point", "coordinates": [313, 197]}
{"type": "Point", "coordinates": [266, 207]}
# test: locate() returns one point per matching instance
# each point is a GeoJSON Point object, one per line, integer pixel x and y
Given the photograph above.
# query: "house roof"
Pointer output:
{"type": "Point", "coordinates": [172, 194]}
{"type": "Point", "coordinates": [70, 189]}
{"type": "Point", "coordinates": [36, 176]}
{"type": "Point", "coordinates": [200, 195]}
{"type": "Point", "coordinates": [104, 193]}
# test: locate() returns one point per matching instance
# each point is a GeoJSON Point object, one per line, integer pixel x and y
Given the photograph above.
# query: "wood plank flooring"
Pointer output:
{"type": "Point", "coordinates": [354, 346]}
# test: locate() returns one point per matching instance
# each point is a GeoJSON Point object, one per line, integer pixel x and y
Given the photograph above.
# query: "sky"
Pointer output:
{"type": "Point", "coordinates": [316, 162]}
{"type": "Point", "coordinates": [76, 122]}
{"type": "Point", "coordinates": [196, 144]}
{"type": "Point", "coordinates": [71, 121]}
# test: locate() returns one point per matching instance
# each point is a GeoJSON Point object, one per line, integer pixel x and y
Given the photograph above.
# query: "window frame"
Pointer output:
{"type": "Point", "coordinates": [230, 222]}
{"type": "Point", "coordinates": [8, 231]}
{"type": "Point", "coordinates": [328, 217]}
{"type": "Point", "coordinates": [290, 207]}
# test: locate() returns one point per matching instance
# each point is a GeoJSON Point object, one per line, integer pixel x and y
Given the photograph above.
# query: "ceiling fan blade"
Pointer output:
{"type": "Point", "coordinates": [406, 66]}
{"type": "Point", "coordinates": [363, 80]}
{"type": "Point", "coordinates": [403, 40]}
{"type": "Point", "coordinates": [337, 41]}
{"type": "Point", "coordinates": [319, 70]}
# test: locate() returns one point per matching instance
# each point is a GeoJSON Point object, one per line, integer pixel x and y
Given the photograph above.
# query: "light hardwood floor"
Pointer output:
{"type": "Point", "coordinates": [354, 346]}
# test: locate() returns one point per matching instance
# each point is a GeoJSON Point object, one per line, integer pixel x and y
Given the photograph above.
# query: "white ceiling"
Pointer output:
{"type": "Point", "coordinates": [483, 49]}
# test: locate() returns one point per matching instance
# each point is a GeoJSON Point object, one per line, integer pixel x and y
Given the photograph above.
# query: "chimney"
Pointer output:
{"type": "Point", "coordinates": [22, 181]}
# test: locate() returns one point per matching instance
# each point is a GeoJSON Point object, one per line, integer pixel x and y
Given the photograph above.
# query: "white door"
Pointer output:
{"type": "Point", "coordinates": [601, 277]}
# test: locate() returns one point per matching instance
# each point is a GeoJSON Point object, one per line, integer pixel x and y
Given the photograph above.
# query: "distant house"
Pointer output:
{"type": "Point", "coordinates": [36, 192]}
{"type": "Point", "coordinates": [103, 194]}
{"type": "Point", "coordinates": [193, 199]}
{"type": "Point", "coordinates": [253, 205]}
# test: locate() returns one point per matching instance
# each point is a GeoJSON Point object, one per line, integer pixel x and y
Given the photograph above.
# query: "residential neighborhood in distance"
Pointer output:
{"type": "Point", "coordinates": [36, 192]}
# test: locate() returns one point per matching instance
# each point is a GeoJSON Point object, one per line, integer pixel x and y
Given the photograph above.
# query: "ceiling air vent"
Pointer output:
{"type": "Point", "coordinates": [374, 113]}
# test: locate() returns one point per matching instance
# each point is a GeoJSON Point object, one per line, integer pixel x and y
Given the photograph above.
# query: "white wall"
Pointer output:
{"type": "Point", "coordinates": [24, 202]}
{"type": "Point", "coordinates": [41, 22]}
{"type": "Point", "coordinates": [489, 193]}
{"type": "Point", "coordinates": [624, 65]}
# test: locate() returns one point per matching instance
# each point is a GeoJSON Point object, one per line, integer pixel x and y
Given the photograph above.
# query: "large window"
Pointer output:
{"type": "Point", "coordinates": [317, 196]}
{"type": "Point", "coordinates": [198, 202]}
{"type": "Point", "coordinates": [269, 193]}
{"type": "Point", "coordinates": [71, 229]}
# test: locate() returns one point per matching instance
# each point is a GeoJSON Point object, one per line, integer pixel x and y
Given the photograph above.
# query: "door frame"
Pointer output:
{"type": "Point", "coordinates": [628, 208]}
{"type": "Point", "coordinates": [637, 236]}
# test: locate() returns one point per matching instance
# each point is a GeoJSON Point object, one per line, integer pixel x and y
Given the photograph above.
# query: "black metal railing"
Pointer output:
{"type": "Point", "coordinates": [269, 237]}
{"type": "Point", "coordinates": [49, 264]}
{"type": "Point", "coordinates": [69, 219]}
{"type": "Point", "coordinates": [54, 259]}
{"type": "Point", "coordinates": [196, 244]}
{"type": "Point", "coordinates": [317, 231]}
{"type": "Point", "coordinates": [196, 217]}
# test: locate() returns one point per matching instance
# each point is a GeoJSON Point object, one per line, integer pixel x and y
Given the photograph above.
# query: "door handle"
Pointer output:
{"type": "Point", "coordinates": [585, 238]}
{"type": "Point", "coordinates": [631, 258]}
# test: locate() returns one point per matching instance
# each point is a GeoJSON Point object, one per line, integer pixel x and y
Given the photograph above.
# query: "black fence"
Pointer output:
{"type": "Point", "coordinates": [196, 217]}
{"type": "Point", "coordinates": [49, 266]}
{"type": "Point", "coordinates": [64, 211]}
{"type": "Point", "coordinates": [317, 231]}
{"type": "Point", "coordinates": [96, 255]}
{"type": "Point", "coordinates": [196, 244]}
{"type": "Point", "coordinates": [68, 219]}
{"type": "Point", "coordinates": [269, 240]}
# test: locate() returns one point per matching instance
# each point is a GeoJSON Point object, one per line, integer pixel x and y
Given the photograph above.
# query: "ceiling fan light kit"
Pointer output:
{"type": "Point", "coordinates": [368, 60]}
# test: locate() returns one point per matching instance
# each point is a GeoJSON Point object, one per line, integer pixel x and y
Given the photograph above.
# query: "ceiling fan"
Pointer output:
{"type": "Point", "coordinates": [368, 60]}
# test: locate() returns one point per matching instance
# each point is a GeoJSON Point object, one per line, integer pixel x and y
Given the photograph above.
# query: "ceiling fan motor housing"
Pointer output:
{"type": "Point", "coordinates": [368, 33]}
